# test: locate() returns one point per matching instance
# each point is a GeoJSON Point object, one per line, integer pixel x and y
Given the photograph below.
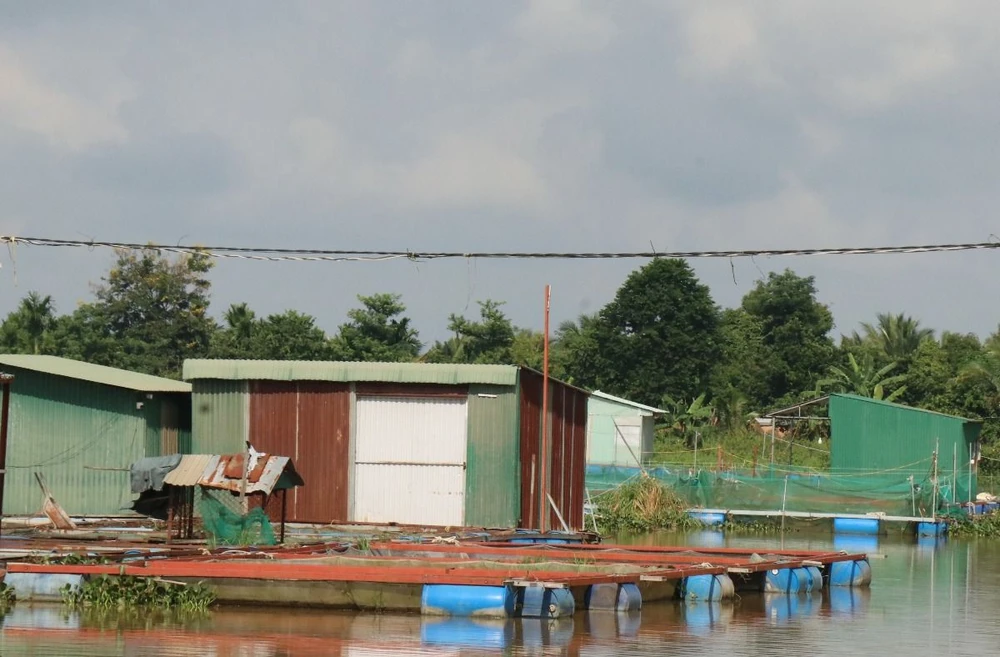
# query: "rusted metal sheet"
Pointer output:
{"type": "Point", "coordinates": [531, 425]}
{"type": "Point", "coordinates": [323, 451]}
{"type": "Point", "coordinates": [309, 421]}
{"type": "Point", "coordinates": [565, 460]}
{"type": "Point", "coordinates": [265, 477]}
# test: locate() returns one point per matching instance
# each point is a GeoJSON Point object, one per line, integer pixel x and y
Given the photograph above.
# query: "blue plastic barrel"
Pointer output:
{"type": "Point", "coordinates": [850, 573]}
{"type": "Point", "coordinates": [786, 581]}
{"type": "Point", "coordinates": [867, 526]}
{"type": "Point", "coordinates": [465, 600]}
{"type": "Point", "coordinates": [707, 588]}
{"type": "Point", "coordinates": [932, 528]}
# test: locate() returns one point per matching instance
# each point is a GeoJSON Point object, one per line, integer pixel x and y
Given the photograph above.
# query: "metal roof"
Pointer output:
{"type": "Point", "coordinates": [264, 478]}
{"type": "Point", "coordinates": [870, 400]}
{"type": "Point", "coordinates": [297, 370]}
{"type": "Point", "coordinates": [109, 376]}
{"type": "Point", "coordinates": [627, 402]}
{"type": "Point", "coordinates": [190, 470]}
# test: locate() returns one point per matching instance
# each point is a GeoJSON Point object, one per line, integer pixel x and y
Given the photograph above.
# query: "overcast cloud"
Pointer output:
{"type": "Point", "coordinates": [556, 124]}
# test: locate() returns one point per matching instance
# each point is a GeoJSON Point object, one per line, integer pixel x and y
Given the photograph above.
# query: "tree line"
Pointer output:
{"type": "Point", "coordinates": [662, 340]}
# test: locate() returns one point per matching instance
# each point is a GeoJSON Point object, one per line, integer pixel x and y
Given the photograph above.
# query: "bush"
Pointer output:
{"type": "Point", "coordinates": [642, 505]}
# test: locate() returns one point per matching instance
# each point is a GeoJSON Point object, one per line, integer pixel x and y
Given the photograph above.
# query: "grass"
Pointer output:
{"type": "Point", "coordinates": [642, 505]}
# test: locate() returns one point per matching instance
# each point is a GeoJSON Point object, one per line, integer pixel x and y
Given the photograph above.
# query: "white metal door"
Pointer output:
{"type": "Point", "coordinates": [628, 440]}
{"type": "Point", "coordinates": [409, 460]}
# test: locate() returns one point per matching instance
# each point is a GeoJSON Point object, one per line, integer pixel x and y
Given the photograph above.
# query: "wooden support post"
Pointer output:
{"type": "Point", "coordinates": [284, 507]}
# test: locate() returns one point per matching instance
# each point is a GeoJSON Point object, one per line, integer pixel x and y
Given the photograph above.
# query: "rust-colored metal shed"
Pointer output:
{"type": "Point", "coordinates": [409, 443]}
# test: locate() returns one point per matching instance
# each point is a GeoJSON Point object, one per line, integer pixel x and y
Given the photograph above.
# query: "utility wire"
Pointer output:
{"type": "Point", "coordinates": [340, 255]}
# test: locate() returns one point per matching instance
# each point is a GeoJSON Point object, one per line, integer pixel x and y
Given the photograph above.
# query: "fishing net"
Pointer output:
{"type": "Point", "coordinates": [229, 527]}
{"type": "Point", "coordinates": [770, 489]}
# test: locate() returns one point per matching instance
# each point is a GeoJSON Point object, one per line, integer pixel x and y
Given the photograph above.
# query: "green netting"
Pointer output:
{"type": "Point", "coordinates": [227, 527]}
{"type": "Point", "coordinates": [890, 493]}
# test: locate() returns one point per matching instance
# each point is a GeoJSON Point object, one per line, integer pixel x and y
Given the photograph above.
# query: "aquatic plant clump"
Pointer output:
{"type": "Point", "coordinates": [7, 596]}
{"type": "Point", "coordinates": [984, 526]}
{"type": "Point", "coordinates": [125, 592]}
{"type": "Point", "coordinates": [642, 505]}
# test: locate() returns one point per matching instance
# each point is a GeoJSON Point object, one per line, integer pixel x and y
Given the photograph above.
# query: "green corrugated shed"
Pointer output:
{"type": "Point", "coordinates": [874, 436]}
{"type": "Point", "coordinates": [81, 426]}
{"type": "Point", "coordinates": [619, 431]}
{"type": "Point", "coordinates": [492, 493]}
{"type": "Point", "coordinates": [348, 372]}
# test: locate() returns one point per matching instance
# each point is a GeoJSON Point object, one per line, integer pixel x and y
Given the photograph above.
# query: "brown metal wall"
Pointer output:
{"type": "Point", "coordinates": [310, 422]}
{"type": "Point", "coordinates": [566, 455]}
{"type": "Point", "coordinates": [531, 424]}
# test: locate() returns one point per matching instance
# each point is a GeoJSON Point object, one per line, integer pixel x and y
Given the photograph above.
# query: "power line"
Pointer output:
{"type": "Point", "coordinates": [345, 255]}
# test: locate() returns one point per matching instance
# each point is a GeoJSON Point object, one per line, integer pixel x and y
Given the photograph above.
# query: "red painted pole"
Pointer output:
{"type": "Point", "coordinates": [5, 381]}
{"type": "Point", "coordinates": [543, 459]}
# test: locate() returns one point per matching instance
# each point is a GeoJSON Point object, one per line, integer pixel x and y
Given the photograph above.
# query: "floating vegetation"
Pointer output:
{"type": "Point", "coordinates": [7, 597]}
{"type": "Point", "coordinates": [642, 505]}
{"type": "Point", "coordinates": [127, 592]}
{"type": "Point", "coordinates": [982, 526]}
{"type": "Point", "coordinates": [74, 559]}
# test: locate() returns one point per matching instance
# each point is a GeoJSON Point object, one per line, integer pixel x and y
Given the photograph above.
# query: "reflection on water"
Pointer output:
{"type": "Point", "coordinates": [928, 597]}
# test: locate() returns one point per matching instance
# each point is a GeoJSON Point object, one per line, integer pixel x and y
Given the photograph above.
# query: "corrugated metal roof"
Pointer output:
{"type": "Point", "coordinates": [297, 370]}
{"type": "Point", "coordinates": [108, 376]}
{"type": "Point", "coordinates": [902, 407]}
{"type": "Point", "coordinates": [264, 478]}
{"type": "Point", "coordinates": [191, 469]}
{"type": "Point", "coordinates": [627, 402]}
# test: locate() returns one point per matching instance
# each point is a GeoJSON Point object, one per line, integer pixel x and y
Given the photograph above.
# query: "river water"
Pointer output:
{"type": "Point", "coordinates": [927, 598]}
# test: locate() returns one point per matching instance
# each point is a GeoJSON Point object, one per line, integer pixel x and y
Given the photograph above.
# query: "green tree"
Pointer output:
{"type": "Point", "coordinates": [290, 335]}
{"type": "Point", "coordinates": [528, 350]}
{"type": "Point", "coordinates": [796, 347]}
{"type": "Point", "coordinates": [864, 378]}
{"type": "Point", "coordinates": [897, 335]}
{"type": "Point", "coordinates": [153, 309]}
{"type": "Point", "coordinates": [573, 353]}
{"type": "Point", "coordinates": [378, 332]}
{"type": "Point", "coordinates": [26, 329]}
{"type": "Point", "coordinates": [741, 367]}
{"type": "Point", "coordinates": [490, 340]}
{"type": "Point", "coordinates": [658, 336]}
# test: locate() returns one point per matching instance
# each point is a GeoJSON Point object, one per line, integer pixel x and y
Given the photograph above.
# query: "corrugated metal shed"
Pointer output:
{"type": "Point", "coordinates": [492, 495]}
{"type": "Point", "coordinates": [81, 435]}
{"type": "Point", "coordinates": [345, 372]}
{"type": "Point", "coordinates": [619, 431]}
{"type": "Point", "coordinates": [108, 376]}
{"type": "Point", "coordinates": [874, 436]}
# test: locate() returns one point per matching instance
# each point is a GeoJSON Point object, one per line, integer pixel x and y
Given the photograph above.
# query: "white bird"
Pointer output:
{"type": "Point", "coordinates": [254, 456]}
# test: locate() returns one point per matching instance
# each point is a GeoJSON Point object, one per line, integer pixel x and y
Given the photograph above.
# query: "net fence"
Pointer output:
{"type": "Point", "coordinates": [898, 493]}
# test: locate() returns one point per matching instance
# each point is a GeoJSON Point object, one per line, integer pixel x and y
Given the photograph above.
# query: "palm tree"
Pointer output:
{"type": "Point", "coordinates": [37, 316]}
{"type": "Point", "coordinates": [241, 320]}
{"type": "Point", "coordinates": [861, 378]}
{"type": "Point", "coordinates": [898, 335]}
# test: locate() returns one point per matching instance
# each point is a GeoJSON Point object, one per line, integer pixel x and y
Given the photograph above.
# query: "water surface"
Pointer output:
{"type": "Point", "coordinates": [927, 598]}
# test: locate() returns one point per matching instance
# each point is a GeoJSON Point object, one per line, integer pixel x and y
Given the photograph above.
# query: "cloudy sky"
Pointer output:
{"type": "Point", "coordinates": [546, 125]}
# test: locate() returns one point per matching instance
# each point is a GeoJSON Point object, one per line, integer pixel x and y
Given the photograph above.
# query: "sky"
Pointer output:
{"type": "Point", "coordinates": [564, 125]}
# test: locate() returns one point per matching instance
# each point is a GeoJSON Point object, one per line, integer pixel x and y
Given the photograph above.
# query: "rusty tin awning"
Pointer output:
{"type": "Point", "coordinates": [267, 474]}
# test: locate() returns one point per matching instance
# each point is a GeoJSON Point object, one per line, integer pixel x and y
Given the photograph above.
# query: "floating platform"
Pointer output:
{"type": "Point", "coordinates": [465, 579]}
{"type": "Point", "coordinates": [843, 523]}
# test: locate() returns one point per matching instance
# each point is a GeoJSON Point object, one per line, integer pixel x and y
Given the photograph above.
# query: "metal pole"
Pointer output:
{"type": "Point", "coordinates": [5, 381]}
{"type": "Point", "coordinates": [970, 474]}
{"type": "Point", "coordinates": [593, 511]}
{"type": "Point", "coordinates": [784, 497]}
{"type": "Point", "coordinates": [913, 499]}
{"type": "Point", "coordinates": [543, 524]}
{"type": "Point", "coordinates": [696, 452]}
{"type": "Point", "coordinates": [954, 473]}
{"type": "Point", "coordinates": [244, 504]}
{"type": "Point", "coordinates": [935, 481]}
